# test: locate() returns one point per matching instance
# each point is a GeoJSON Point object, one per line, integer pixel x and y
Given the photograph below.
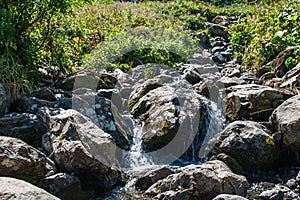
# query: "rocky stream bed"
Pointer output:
{"type": "Point", "coordinates": [207, 129]}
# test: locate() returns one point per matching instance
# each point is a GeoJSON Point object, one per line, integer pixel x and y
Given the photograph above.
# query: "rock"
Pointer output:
{"type": "Point", "coordinates": [66, 186]}
{"type": "Point", "coordinates": [73, 157]}
{"type": "Point", "coordinates": [222, 20]}
{"type": "Point", "coordinates": [286, 120]}
{"type": "Point", "coordinates": [277, 193]}
{"type": "Point", "coordinates": [217, 30]}
{"type": "Point", "coordinates": [231, 72]}
{"type": "Point", "coordinates": [278, 63]}
{"type": "Point", "coordinates": [298, 178]}
{"type": "Point", "coordinates": [292, 184]}
{"type": "Point", "coordinates": [228, 82]}
{"type": "Point", "coordinates": [272, 195]}
{"type": "Point", "coordinates": [100, 112]}
{"type": "Point", "coordinates": [142, 90]}
{"type": "Point", "coordinates": [204, 181]}
{"type": "Point", "coordinates": [249, 78]}
{"type": "Point", "coordinates": [152, 177]}
{"type": "Point", "coordinates": [203, 38]}
{"type": "Point", "coordinates": [59, 124]}
{"type": "Point", "coordinates": [219, 58]}
{"type": "Point", "coordinates": [19, 160]}
{"type": "Point", "coordinates": [252, 101]}
{"type": "Point", "coordinates": [22, 126]}
{"type": "Point", "coordinates": [229, 197]}
{"type": "Point", "coordinates": [87, 80]}
{"type": "Point", "coordinates": [80, 147]}
{"type": "Point", "coordinates": [43, 93]}
{"type": "Point", "coordinates": [250, 143]}
{"type": "Point", "coordinates": [4, 100]}
{"type": "Point", "coordinates": [229, 161]}
{"type": "Point", "coordinates": [30, 105]}
{"type": "Point", "coordinates": [159, 110]}
{"type": "Point", "coordinates": [291, 80]}
{"type": "Point", "coordinates": [11, 188]}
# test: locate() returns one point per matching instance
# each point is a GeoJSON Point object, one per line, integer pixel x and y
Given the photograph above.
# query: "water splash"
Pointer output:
{"type": "Point", "coordinates": [135, 158]}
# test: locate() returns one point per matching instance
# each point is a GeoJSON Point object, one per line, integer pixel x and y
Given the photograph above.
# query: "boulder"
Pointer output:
{"type": "Point", "coordinates": [286, 120]}
{"type": "Point", "coordinates": [217, 30]}
{"type": "Point", "coordinates": [66, 186]}
{"type": "Point", "coordinates": [278, 193]}
{"type": "Point", "coordinates": [93, 173]}
{"type": "Point", "coordinates": [12, 188]}
{"type": "Point", "coordinates": [158, 109]}
{"type": "Point", "coordinates": [252, 102]}
{"type": "Point", "coordinates": [73, 122]}
{"type": "Point", "coordinates": [19, 160]}
{"type": "Point", "coordinates": [87, 80]}
{"type": "Point", "coordinates": [80, 147]}
{"type": "Point", "coordinates": [152, 177]}
{"type": "Point", "coordinates": [22, 126]}
{"type": "Point", "coordinates": [204, 181]}
{"type": "Point", "coordinates": [43, 93]}
{"type": "Point", "coordinates": [229, 197]}
{"type": "Point", "coordinates": [4, 100]}
{"type": "Point", "coordinates": [250, 143]}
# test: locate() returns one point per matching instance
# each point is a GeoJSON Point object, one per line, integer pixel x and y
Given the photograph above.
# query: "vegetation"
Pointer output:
{"type": "Point", "coordinates": [59, 36]}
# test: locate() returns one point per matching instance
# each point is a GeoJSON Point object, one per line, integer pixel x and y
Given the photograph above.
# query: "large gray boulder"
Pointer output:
{"type": "Point", "coordinates": [22, 126]}
{"type": "Point", "coordinates": [78, 146]}
{"type": "Point", "coordinates": [73, 157]}
{"type": "Point", "coordinates": [286, 120]}
{"type": "Point", "coordinates": [19, 160]}
{"type": "Point", "coordinates": [204, 181]}
{"type": "Point", "coordinates": [13, 189]}
{"type": "Point", "coordinates": [250, 143]}
{"type": "Point", "coordinates": [251, 101]}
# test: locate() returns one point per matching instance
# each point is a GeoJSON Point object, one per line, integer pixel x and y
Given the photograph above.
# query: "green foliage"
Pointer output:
{"type": "Point", "coordinates": [262, 35]}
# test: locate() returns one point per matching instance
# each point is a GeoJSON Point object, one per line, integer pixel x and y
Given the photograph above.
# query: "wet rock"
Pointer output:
{"type": "Point", "coordinates": [17, 189]}
{"type": "Point", "coordinates": [218, 49]}
{"type": "Point", "coordinates": [22, 126]}
{"type": "Point", "coordinates": [66, 186]}
{"type": "Point", "coordinates": [43, 93]}
{"type": "Point", "coordinates": [30, 105]}
{"type": "Point", "coordinates": [19, 160]}
{"type": "Point", "coordinates": [229, 197]}
{"type": "Point", "coordinates": [152, 177]}
{"type": "Point", "coordinates": [204, 181]}
{"type": "Point", "coordinates": [4, 100]}
{"type": "Point", "coordinates": [252, 101]}
{"type": "Point", "coordinates": [217, 30]}
{"type": "Point", "coordinates": [250, 143]}
{"type": "Point", "coordinates": [286, 120]}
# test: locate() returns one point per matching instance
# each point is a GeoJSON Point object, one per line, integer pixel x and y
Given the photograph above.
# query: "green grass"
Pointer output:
{"type": "Point", "coordinates": [95, 35]}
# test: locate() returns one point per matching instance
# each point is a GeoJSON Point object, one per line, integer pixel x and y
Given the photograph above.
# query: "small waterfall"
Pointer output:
{"type": "Point", "coordinates": [135, 158]}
